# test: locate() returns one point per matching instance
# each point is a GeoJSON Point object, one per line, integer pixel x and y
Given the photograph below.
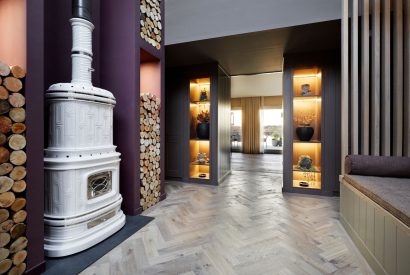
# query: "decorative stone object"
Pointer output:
{"type": "Point", "coordinates": [151, 26]}
{"type": "Point", "coordinates": [305, 163]}
{"type": "Point", "coordinates": [306, 90]}
{"type": "Point", "coordinates": [202, 158]}
{"type": "Point", "coordinates": [203, 96]}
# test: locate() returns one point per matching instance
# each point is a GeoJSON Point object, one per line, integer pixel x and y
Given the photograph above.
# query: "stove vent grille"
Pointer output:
{"type": "Point", "coordinates": [99, 184]}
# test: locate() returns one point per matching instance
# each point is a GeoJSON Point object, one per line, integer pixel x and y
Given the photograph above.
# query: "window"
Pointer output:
{"type": "Point", "coordinates": [272, 123]}
{"type": "Point", "coordinates": [236, 130]}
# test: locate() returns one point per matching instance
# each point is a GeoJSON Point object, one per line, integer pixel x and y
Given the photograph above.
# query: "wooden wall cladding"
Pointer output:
{"type": "Point", "coordinates": [150, 21]}
{"type": "Point", "coordinates": [379, 80]}
{"type": "Point", "coordinates": [12, 170]}
{"type": "Point", "coordinates": [150, 147]}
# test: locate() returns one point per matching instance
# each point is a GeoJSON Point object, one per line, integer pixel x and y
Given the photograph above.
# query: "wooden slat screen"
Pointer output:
{"type": "Point", "coordinates": [398, 78]}
{"type": "Point", "coordinates": [385, 80]}
{"type": "Point", "coordinates": [406, 76]}
{"type": "Point", "coordinates": [354, 76]}
{"type": "Point", "coordinates": [365, 78]}
{"type": "Point", "coordinates": [375, 79]}
{"type": "Point", "coordinates": [345, 83]}
{"type": "Point", "coordinates": [376, 76]}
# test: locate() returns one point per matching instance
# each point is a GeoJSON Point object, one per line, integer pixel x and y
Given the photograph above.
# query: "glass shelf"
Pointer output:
{"type": "Point", "coordinates": [311, 184]}
{"type": "Point", "coordinates": [308, 97]}
{"type": "Point", "coordinates": [200, 102]}
{"type": "Point", "coordinates": [196, 176]}
{"type": "Point", "coordinates": [295, 169]}
{"type": "Point", "coordinates": [310, 141]}
{"type": "Point", "coordinates": [202, 164]}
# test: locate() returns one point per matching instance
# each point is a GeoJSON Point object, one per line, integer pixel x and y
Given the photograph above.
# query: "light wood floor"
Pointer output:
{"type": "Point", "coordinates": [245, 226]}
{"type": "Point", "coordinates": [268, 163]}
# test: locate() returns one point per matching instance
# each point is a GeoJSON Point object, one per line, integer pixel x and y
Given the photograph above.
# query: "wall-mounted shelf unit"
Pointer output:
{"type": "Point", "coordinates": [199, 147]}
{"type": "Point", "coordinates": [307, 106]}
{"type": "Point", "coordinates": [199, 132]}
{"type": "Point", "coordinates": [311, 151]}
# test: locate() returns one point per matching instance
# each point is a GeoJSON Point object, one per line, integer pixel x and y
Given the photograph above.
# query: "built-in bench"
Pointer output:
{"type": "Point", "coordinates": [375, 212]}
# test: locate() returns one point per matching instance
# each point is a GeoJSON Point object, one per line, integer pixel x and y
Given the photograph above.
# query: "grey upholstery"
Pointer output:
{"type": "Point", "coordinates": [398, 167]}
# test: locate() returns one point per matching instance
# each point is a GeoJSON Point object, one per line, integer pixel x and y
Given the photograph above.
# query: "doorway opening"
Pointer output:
{"type": "Point", "coordinates": [257, 122]}
{"type": "Point", "coordinates": [272, 125]}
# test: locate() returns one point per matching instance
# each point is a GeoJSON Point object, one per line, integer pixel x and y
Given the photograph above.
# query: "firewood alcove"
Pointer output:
{"type": "Point", "coordinates": [150, 130]}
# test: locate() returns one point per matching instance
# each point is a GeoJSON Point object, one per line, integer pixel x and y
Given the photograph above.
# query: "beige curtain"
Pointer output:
{"type": "Point", "coordinates": [251, 125]}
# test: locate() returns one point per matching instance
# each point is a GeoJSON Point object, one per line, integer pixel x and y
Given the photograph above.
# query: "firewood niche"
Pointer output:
{"type": "Point", "coordinates": [150, 22]}
{"type": "Point", "coordinates": [150, 150]}
{"type": "Point", "coordinates": [13, 241]}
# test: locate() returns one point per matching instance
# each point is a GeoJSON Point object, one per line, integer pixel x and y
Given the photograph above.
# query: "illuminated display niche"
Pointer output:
{"type": "Point", "coordinates": [307, 120]}
{"type": "Point", "coordinates": [199, 143]}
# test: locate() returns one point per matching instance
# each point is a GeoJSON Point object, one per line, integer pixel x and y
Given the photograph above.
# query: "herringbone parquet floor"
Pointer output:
{"type": "Point", "coordinates": [245, 226]}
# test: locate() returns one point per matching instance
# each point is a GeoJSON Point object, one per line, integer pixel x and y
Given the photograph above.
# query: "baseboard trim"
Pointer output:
{"type": "Point", "coordinates": [137, 211]}
{"type": "Point", "coordinates": [224, 176]}
{"type": "Point", "coordinates": [36, 270]}
{"type": "Point", "coordinates": [307, 191]}
{"type": "Point", "coordinates": [163, 197]}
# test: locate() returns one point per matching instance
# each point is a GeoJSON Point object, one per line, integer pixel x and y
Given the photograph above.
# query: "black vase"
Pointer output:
{"type": "Point", "coordinates": [305, 133]}
{"type": "Point", "coordinates": [202, 130]}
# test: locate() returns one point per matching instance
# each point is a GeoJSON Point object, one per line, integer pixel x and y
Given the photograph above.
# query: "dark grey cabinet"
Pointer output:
{"type": "Point", "coordinates": [198, 124]}
{"type": "Point", "coordinates": [311, 87]}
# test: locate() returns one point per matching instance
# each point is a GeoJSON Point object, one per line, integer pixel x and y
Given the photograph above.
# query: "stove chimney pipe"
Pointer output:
{"type": "Point", "coordinates": [81, 52]}
{"type": "Point", "coordinates": [82, 9]}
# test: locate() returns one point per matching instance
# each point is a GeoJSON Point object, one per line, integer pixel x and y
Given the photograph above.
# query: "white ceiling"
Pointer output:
{"type": "Point", "coordinates": [268, 84]}
{"type": "Point", "coordinates": [192, 20]}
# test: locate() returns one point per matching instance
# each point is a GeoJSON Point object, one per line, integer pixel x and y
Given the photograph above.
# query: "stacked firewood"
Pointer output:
{"type": "Point", "coordinates": [151, 26]}
{"type": "Point", "coordinates": [150, 171]}
{"type": "Point", "coordinates": [13, 215]}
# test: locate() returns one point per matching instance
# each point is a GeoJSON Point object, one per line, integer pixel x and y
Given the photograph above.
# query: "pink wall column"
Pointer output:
{"type": "Point", "coordinates": [13, 32]}
{"type": "Point", "coordinates": [151, 78]}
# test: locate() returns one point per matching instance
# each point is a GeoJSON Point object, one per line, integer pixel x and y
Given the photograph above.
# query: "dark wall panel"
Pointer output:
{"type": "Point", "coordinates": [173, 131]}
{"type": "Point", "coordinates": [177, 121]}
{"type": "Point", "coordinates": [329, 63]}
{"type": "Point", "coordinates": [224, 124]}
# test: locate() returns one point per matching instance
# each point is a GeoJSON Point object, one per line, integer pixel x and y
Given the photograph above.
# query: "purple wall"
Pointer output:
{"type": "Point", "coordinates": [120, 46]}
{"type": "Point", "coordinates": [119, 75]}
{"type": "Point", "coordinates": [35, 129]}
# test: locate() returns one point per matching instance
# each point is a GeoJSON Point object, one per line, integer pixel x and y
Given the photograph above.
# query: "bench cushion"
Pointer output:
{"type": "Point", "coordinates": [378, 166]}
{"type": "Point", "coordinates": [393, 194]}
